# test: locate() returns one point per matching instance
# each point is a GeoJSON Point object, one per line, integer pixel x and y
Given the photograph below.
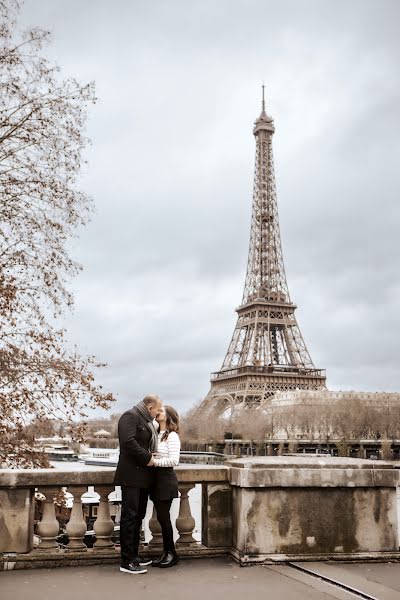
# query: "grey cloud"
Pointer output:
{"type": "Point", "coordinates": [171, 170]}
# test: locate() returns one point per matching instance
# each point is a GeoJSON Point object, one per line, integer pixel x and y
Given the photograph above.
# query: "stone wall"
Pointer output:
{"type": "Point", "coordinates": [312, 506]}
{"type": "Point", "coordinates": [256, 509]}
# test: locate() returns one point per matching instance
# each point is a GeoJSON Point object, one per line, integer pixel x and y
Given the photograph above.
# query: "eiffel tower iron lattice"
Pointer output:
{"type": "Point", "coordinates": [267, 352]}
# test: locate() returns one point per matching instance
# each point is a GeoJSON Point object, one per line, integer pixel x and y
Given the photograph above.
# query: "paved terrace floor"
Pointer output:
{"type": "Point", "coordinates": [204, 579]}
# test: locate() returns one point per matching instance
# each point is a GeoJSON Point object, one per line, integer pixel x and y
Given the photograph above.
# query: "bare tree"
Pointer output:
{"type": "Point", "coordinates": [41, 143]}
{"type": "Point", "coordinates": [286, 420]}
{"type": "Point", "coordinates": [307, 420]}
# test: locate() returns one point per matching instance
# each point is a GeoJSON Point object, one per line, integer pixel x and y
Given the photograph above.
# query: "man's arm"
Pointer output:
{"type": "Point", "coordinates": [127, 428]}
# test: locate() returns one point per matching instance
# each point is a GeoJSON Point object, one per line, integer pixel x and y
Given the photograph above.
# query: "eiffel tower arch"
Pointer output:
{"type": "Point", "coordinates": [267, 352]}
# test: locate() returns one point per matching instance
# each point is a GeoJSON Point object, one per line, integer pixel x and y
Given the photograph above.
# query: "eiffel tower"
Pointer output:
{"type": "Point", "coordinates": [267, 352]}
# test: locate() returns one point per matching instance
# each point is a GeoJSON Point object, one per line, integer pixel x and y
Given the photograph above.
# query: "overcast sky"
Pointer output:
{"type": "Point", "coordinates": [171, 172]}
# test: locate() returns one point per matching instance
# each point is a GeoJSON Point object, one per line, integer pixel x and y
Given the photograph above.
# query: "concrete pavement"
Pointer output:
{"type": "Point", "coordinates": [199, 579]}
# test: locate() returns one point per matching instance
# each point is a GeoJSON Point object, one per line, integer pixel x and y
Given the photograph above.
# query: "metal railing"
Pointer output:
{"type": "Point", "coordinates": [268, 370]}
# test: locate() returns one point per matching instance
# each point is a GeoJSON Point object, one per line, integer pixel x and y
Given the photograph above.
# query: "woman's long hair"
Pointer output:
{"type": "Point", "coordinates": [171, 422]}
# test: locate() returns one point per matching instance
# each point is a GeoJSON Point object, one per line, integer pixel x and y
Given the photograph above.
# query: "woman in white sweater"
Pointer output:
{"type": "Point", "coordinates": [166, 482]}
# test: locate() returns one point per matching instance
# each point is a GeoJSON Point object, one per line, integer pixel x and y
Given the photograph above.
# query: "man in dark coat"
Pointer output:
{"type": "Point", "coordinates": [137, 441]}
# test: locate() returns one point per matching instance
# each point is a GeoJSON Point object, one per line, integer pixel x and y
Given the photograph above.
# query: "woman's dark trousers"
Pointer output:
{"type": "Point", "coordinates": [133, 511]}
{"type": "Point", "coordinates": [163, 516]}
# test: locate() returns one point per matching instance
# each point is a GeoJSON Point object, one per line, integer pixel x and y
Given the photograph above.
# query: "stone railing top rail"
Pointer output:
{"type": "Point", "coordinates": [299, 472]}
{"type": "Point", "coordinates": [14, 478]}
{"type": "Point", "coordinates": [255, 471]}
{"type": "Point", "coordinates": [307, 462]}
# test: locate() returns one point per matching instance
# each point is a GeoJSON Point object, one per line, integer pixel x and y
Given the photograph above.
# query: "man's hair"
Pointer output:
{"type": "Point", "coordinates": [151, 399]}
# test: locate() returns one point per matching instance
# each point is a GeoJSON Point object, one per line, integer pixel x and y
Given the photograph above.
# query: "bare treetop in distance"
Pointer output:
{"type": "Point", "coordinates": [41, 142]}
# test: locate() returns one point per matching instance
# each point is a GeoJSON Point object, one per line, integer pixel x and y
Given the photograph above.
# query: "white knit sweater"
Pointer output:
{"type": "Point", "coordinates": [168, 451]}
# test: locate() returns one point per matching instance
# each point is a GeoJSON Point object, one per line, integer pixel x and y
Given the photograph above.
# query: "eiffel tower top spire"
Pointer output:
{"type": "Point", "coordinates": [266, 278]}
{"type": "Point", "coordinates": [264, 122]}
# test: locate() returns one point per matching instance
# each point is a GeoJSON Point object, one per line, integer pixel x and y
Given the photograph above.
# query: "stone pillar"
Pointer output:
{"type": "Point", "coordinates": [156, 541]}
{"type": "Point", "coordinates": [216, 515]}
{"type": "Point", "coordinates": [312, 506]}
{"type": "Point", "coordinates": [103, 526]}
{"type": "Point", "coordinates": [16, 519]}
{"type": "Point", "coordinates": [185, 522]}
{"type": "Point", "coordinates": [48, 527]}
{"type": "Point", "coordinates": [76, 526]}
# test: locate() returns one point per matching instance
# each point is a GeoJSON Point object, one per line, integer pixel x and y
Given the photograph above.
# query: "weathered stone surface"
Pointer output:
{"type": "Point", "coordinates": [296, 506]}
{"type": "Point", "coordinates": [12, 478]}
{"type": "Point", "coordinates": [288, 477]}
{"type": "Point", "coordinates": [255, 508]}
{"type": "Point", "coordinates": [17, 489]}
{"type": "Point", "coordinates": [308, 521]}
{"type": "Point", "coordinates": [16, 520]}
{"type": "Point", "coordinates": [308, 462]}
{"type": "Point", "coordinates": [217, 515]}
{"type": "Point", "coordinates": [308, 471]}
{"type": "Point", "coordinates": [61, 558]}
{"type": "Point", "coordinates": [202, 473]}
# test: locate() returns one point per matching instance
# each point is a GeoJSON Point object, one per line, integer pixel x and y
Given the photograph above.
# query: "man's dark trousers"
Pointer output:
{"type": "Point", "coordinates": [133, 511]}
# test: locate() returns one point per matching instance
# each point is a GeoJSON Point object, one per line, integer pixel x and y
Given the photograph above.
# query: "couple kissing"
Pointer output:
{"type": "Point", "coordinates": [149, 450]}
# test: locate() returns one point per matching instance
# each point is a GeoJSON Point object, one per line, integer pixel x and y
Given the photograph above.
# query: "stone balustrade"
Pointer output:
{"type": "Point", "coordinates": [17, 506]}
{"type": "Point", "coordinates": [255, 509]}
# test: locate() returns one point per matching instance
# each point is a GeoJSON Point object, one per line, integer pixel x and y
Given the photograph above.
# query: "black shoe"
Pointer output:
{"type": "Point", "coordinates": [143, 562]}
{"type": "Point", "coordinates": [134, 568]}
{"type": "Point", "coordinates": [169, 561]}
{"type": "Point", "coordinates": [156, 562]}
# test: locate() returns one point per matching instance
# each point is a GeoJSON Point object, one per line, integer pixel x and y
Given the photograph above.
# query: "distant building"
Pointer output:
{"type": "Point", "coordinates": [101, 433]}
{"type": "Point", "coordinates": [329, 398]}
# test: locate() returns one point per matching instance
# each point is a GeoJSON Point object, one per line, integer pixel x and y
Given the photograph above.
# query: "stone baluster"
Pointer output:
{"type": "Point", "coordinates": [104, 525]}
{"type": "Point", "coordinates": [156, 541]}
{"type": "Point", "coordinates": [48, 526]}
{"type": "Point", "coordinates": [185, 522]}
{"type": "Point", "coordinates": [142, 534]}
{"type": "Point", "coordinates": [76, 526]}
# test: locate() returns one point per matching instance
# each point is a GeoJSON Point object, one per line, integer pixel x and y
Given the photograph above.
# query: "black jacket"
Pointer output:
{"type": "Point", "coordinates": [134, 440]}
